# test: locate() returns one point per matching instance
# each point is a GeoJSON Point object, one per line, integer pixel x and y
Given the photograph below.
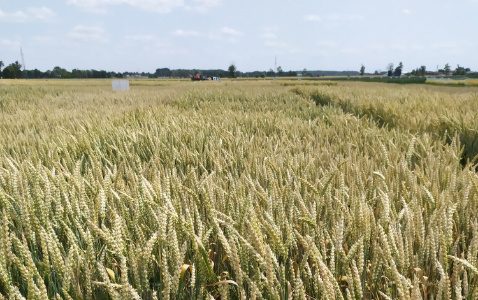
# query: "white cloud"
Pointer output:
{"type": "Point", "coordinates": [327, 43]}
{"type": "Point", "coordinates": [31, 14]}
{"type": "Point", "coordinates": [205, 5]}
{"type": "Point", "coordinates": [157, 6]}
{"type": "Point", "coordinates": [44, 39]}
{"type": "Point", "coordinates": [270, 33]}
{"type": "Point", "coordinates": [100, 6]}
{"type": "Point", "coordinates": [88, 33]}
{"type": "Point", "coordinates": [227, 34]}
{"type": "Point", "coordinates": [230, 31]}
{"type": "Point", "coordinates": [350, 50]}
{"type": "Point", "coordinates": [16, 17]}
{"type": "Point", "coordinates": [42, 13]}
{"type": "Point", "coordinates": [406, 11]}
{"type": "Point", "coordinates": [10, 44]}
{"type": "Point", "coordinates": [275, 44]}
{"type": "Point", "coordinates": [271, 38]}
{"type": "Point", "coordinates": [186, 33]}
{"type": "Point", "coordinates": [344, 17]}
{"type": "Point", "coordinates": [140, 38]}
{"type": "Point", "coordinates": [313, 18]}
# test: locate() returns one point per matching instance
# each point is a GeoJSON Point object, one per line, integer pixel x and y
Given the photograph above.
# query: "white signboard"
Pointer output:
{"type": "Point", "coordinates": [120, 85]}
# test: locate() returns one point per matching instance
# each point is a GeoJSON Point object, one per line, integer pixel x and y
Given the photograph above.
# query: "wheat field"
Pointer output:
{"type": "Point", "coordinates": [247, 190]}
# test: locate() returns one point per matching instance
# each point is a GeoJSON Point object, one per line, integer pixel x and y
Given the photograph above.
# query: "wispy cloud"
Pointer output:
{"type": "Point", "coordinates": [271, 38]}
{"type": "Point", "coordinates": [186, 33]}
{"type": "Point", "coordinates": [41, 13]}
{"type": "Point", "coordinates": [101, 6]}
{"type": "Point", "coordinates": [205, 5]}
{"type": "Point", "coordinates": [140, 37]}
{"type": "Point", "coordinates": [275, 44]}
{"type": "Point", "coordinates": [227, 34]}
{"type": "Point", "coordinates": [16, 17]}
{"type": "Point", "coordinates": [313, 18]}
{"type": "Point", "coordinates": [88, 33]}
{"type": "Point", "coordinates": [406, 11]}
{"type": "Point", "coordinates": [334, 17]}
{"type": "Point", "coordinates": [10, 44]}
{"type": "Point", "coordinates": [269, 33]}
{"type": "Point", "coordinates": [344, 17]}
{"type": "Point", "coordinates": [350, 50]}
{"type": "Point", "coordinates": [157, 6]}
{"type": "Point", "coordinates": [31, 14]}
{"type": "Point", "coordinates": [44, 39]}
{"type": "Point", "coordinates": [327, 43]}
{"type": "Point", "coordinates": [230, 31]}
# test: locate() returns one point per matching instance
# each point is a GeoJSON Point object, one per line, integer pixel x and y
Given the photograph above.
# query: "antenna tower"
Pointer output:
{"type": "Point", "coordinates": [23, 61]}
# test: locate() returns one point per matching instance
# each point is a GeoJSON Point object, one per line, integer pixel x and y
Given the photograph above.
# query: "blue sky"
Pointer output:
{"type": "Point", "coordinates": [143, 35]}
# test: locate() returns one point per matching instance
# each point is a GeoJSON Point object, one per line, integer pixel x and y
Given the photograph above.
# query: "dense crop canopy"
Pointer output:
{"type": "Point", "coordinates": [241, 191]}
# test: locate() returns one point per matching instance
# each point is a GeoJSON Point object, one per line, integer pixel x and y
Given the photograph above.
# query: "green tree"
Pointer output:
{"type": "Point", "coordinates": [459, 70]}
{"type": "Point", "coordinates": [1, 66]}
{"type": "Point", "coordinates": [58, 72]}
{"type": "Point", "coordinates": [422, 71]}
{"type": "Point", "coordinates": [390, 69]}
{"type": "Point", "coordinates": [398, 70]}
{"type": "Point", "coordinates": [163, 72]}
{"type": "Point", "coordinates": [447, 69]}
{"type": "Point", "coordinates": [270, 73]}
{"type": "Point", "coordinates": [280, 72]}
{"type": "Point", "coordinates": [13, 70]}
{"type": "Point", "coordinates": [232, 71]}
{"type": "Point", "coordinates": [362, 70]}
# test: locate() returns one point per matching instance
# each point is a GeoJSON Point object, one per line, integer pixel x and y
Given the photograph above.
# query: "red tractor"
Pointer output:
{"type": "Point", "coordinates": [198, 77]}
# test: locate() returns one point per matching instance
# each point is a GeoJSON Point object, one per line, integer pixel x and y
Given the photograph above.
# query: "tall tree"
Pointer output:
{"type": "Point", "coordinates": [390, 69]}
{"type": "Point", "coordinates": [13, 70]}
{"type": "Point", "coordinates": [398, 70]}
{"type": "Point", "coordinates": [280, 72]}
{"type": "Point", "coordinates": [422, 71]}
{"type": "Point", "coordinates": [163, 72]}
{"type": "Point", "coordinates": [362, 70]}
{"type": "Point", "coordinates": [232, 71]}
{"type": "Point", "coordinates": [459, 70]}
{"type": "Point", "coordinates": [447, 69]}
{"type": "Point", "coordinates": [1, 66]}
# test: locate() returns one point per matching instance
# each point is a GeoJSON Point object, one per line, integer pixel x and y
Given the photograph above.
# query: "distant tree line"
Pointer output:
{"type": "Point", "coordinates": [186, 73]}
{"type": "Point", "coordinates": [459, 71]}
{"type": "Point", "coordinates": [14, 70]}
{"type": "Point", "coordinates": [422, 71]}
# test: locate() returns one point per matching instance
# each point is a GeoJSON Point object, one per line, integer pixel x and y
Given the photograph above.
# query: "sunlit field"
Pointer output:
{"type": "Point", "coordinates": [462, 82]}
{"type": "Point", "coordinates": [240, 189]}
